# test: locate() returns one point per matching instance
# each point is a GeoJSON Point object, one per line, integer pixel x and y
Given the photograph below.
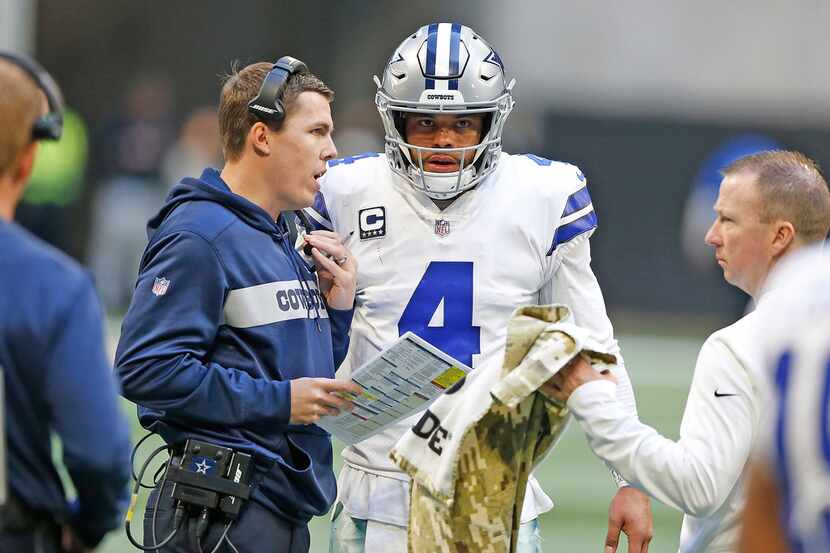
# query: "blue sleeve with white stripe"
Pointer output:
{"type": "Point", "coordinates": [577, 218]}
{"type": "Point", "coordinates": [317, 216]}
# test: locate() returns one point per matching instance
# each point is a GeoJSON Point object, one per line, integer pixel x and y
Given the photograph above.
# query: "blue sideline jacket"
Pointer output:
{"type": "Point", "coordinates": [224, 314]}
{"type": "Point", "coordinates": [57, 378]}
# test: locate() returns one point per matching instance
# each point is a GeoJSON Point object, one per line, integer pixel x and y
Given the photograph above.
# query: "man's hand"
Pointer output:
{"type": "Point", "coordinates": [573, 375]}
{"type": "Point", "coordinates": [312, 398]}
{"type": "Point", "coordinates": [336, 268]}
{"type": "Point", "coordinates": [630, 511]}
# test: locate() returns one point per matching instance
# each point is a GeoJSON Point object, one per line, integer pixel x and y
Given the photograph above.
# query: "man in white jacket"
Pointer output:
{"type": "Point", "coordinates": [769, 205]}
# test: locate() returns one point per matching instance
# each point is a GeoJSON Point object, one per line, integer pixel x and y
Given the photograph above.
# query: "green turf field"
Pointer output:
{"type": "Point", "coordinates": [578, 482]}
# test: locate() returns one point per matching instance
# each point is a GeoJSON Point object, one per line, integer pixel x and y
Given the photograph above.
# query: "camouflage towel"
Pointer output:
{"type": "Point", "coordinates": [471, 453]}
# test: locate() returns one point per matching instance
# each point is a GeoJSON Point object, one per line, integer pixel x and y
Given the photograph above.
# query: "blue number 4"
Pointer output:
{"type": "Point", "coordinates": [450, 282]}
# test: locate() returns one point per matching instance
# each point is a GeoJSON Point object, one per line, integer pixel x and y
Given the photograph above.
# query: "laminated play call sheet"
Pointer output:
{"type": "Point", "coordinates": [402, 380]}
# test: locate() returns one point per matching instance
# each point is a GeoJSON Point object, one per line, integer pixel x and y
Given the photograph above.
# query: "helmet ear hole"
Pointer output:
{"type": "Point", "coordinates": [486, 122]}
{"type": "Point", "coordinates": [488, 71]}
{"type": "Point", "coordinates": [400, 123]}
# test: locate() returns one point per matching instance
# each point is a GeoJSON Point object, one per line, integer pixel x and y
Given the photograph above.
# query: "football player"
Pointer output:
{"type": "Point", "coordinates": [788, 495]}
{"type": "Point", "coordinates": [451, 235]}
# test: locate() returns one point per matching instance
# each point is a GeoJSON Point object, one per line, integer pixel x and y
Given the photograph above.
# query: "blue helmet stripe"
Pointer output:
{"type": "Point", "coordinates": [432, 47]}
{"type": "Point", "coordinates": [455, 47]}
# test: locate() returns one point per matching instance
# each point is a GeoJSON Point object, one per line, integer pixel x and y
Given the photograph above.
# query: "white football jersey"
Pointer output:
{"type": "Point", "coordinates": [454, 276]}
{"type": "Point", "coordinates": [797, 440]}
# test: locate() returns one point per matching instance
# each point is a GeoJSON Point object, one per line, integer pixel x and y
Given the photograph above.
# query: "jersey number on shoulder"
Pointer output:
{"type": "Point", "coordinates": [445, 289]}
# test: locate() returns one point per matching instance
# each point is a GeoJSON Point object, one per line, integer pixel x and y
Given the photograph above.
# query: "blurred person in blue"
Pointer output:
{"type": "Point", "coordinates": [770, 205]}
{"type": "Point", "coordinates": [788, 493]}
{"type": "Point", "coordinates": [55, 370]}
{"type": "Point", "coordinates": [452, 234]}
{"type": "Point", "coordinates": [126, 166]}
{"type": "Point", "coordinates": [197, 146]}
{"type": "Point", "coordinates": [231, 339]}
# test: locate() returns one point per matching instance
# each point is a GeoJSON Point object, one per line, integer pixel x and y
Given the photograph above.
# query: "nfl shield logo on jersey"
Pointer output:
{"type": "Point", "coordinates": [160, 286]}
{"type": "Point", "coordinates": [442, 227]}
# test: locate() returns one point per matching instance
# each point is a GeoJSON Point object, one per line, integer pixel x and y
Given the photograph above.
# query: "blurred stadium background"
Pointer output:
{"type": "Point", "coordinates": [649, 98]}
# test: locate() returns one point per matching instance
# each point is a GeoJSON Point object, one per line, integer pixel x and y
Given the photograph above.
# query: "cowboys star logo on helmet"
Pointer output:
{"type": "Point", "coordinates": [444, 68]}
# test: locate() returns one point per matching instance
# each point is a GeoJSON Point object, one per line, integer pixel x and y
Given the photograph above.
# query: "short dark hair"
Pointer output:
{"type": "Point", "coordinates": [792, 188]}
{"type": "Point", "coordinates": [21, 103]}
{"type": "Point", "coordinates": [242, 86]}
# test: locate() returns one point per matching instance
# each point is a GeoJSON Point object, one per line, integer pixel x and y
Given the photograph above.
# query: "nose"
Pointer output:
{"type": "Point", "coordinates": [330, 150]}
{"type": "Point", "coordinates": [443, 137]}
{"type": "Point", "coordinates": [712, 237]}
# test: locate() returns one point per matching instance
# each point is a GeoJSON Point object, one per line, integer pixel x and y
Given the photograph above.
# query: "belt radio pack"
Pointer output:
{"type": "Point", "coordinates": [206, 479]}
{"type": "Point", "coordinates": [211, 476]}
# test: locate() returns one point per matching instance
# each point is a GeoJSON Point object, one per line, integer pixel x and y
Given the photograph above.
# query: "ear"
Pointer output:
{"type": "Point", "coordinates": [783, 238]}
{"type": "Point", "coordinates": [24, 167]}
{"type": "Point", "coordinates": [260, 139]}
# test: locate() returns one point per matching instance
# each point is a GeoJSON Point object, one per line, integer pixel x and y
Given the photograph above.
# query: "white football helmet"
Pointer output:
{"type": "Point", "coordinates": [444, 68]}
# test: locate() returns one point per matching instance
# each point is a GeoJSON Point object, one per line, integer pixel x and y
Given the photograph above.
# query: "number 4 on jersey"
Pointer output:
{"type": "Point", "coordinates": [447, 284]}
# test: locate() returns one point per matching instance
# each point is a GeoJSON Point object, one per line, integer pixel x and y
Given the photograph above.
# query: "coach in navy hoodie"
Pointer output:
{"type": "Point", "coordinates": [230, 338]}
{"type": "Point", "coordinates": [53, 365]}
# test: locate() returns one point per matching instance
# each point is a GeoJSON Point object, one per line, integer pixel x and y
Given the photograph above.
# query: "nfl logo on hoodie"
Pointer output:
{"type": "Point", "coordinates": [160, 286]}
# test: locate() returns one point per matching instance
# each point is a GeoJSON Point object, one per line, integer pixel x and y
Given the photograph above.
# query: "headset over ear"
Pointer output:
{"type": "Point", "coordinates": [49, 126]}
{"type": "Point", "coordinates": [268, 106]}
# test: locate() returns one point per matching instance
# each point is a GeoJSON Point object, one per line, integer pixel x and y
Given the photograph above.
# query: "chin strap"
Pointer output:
{"type": "Point", "coordinates": [432, 184]}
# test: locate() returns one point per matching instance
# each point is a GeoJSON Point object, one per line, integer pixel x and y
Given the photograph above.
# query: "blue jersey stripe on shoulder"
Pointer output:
{"type": "Point", "coordinates": [317, 216]}
{"type": "Point", "coordinates": [544, 162]}
{"type": "Point", "coordinates": [319, 206]}
{"type": "Point", "coordinates": [576, 201]}
{"type": "Point", "coordinates": [315, 220]}
{"type": "Point", "coordinates": [351, 159]}
{"type": "Point", "coordinates": [573, 229]}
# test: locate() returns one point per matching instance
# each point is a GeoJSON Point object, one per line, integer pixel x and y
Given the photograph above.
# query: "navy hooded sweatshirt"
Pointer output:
{"type": "Point", "coordinates": [57, 379]}
{"type": "Point", "coordinates": [224, 314]}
